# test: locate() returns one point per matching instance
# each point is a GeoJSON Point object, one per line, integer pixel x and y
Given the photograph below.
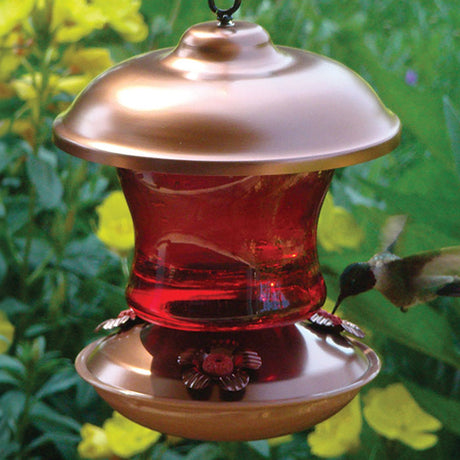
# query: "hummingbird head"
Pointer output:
{"type": "Point", "coordinates": [356, 278]}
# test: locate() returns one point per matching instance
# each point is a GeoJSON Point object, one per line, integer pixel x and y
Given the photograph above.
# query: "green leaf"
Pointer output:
{"type": "Point", "coordinates": [5, 433]}
{"type": "Point", "coordinates": [208, 451]}
{"type": "Point", "coordinates": [5, 157]}
{"type": "Point", "coordinates": [13, 366]}
{"type": "Point", "coordinates": [3, 267]}
{"type": "Point", "coordinates": [2, 208]}
{"type": "Point", "coordinates": [295, 450]}
{"type": "Point", "coordinates": [261, 447]}
{"type": "Point", "coordinates": [8, 379]}
{"type": "Point", "coordinates": [17, 215]}
{"type": "Point", "coordinates": [453, 127]}
{"type": "Point", "coordinates": [66, 445]}
{"type": "Point", "coordinates": [8, 447]}
{"type": "Point", "coordinates": [45, 418]}
{"type": "Point", "coordinates": [420, 205]}
{"type": "Point", "coordinates": [95, 290]}
{"type": "Point", "coordinates": [43, 175]}
{"type": "Point", "coordinates": [61, 381]}
{"type": "Point", "coordinates": [56, 438]}
{"type": "Point", "coordinates": [12, 404]}
{"type": "Point", "coordinates": [420, 111]}
{"type": "Point", "coordinates": [161, 452]}
{"type": "Point", "coordinates": [86, 395]}
{"type": "Point", "coordinates": [40, 250]}
{"type": "Point", "coordinates": [446, 410]}
{"type": "Point", "coordinates": [34, 330]}
{"type": "Point", "coordinates": [154, 9]}
{"type": "Point", "coordinates": [38, 348]}
{"type": "Point", "coordinates": [85, 257]}
{"type": "Point", "coordinates": [421, 328]}
{"type": "Point", "coordinates": [93, 191]}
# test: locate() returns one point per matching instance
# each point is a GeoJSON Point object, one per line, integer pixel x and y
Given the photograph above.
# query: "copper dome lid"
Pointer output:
{"type": "Point", "coordinates": [226, 101]}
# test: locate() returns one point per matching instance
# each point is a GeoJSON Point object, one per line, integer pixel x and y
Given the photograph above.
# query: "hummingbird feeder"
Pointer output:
{"type": "Point", "coordinates": [225, 147]}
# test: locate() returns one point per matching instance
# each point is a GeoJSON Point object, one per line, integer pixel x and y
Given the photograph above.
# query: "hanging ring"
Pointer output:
{"type": "Point", "coordinates": [224, 16]}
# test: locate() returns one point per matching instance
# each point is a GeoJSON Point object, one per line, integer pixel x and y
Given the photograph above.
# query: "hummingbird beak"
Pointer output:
{"type": "Point", "coordinates": [337, 304]}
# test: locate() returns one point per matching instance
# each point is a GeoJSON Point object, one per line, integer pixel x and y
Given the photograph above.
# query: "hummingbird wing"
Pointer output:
{"type": "Point", "coordinates": [391, 231]}
{"type": "Point", "coordinates": [442, 262]}
{"type": "Point", "coordinates": [443, 266]}
{"type": "Point", "coordinates": [423, 276]}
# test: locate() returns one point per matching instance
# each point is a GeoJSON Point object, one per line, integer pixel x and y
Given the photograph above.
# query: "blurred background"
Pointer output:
{"type": "Point", "coordinates": [66, 239]}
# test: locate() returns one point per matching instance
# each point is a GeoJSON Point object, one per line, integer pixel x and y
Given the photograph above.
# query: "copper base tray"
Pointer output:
{"type": "Point", "coordinates": [306, 377]}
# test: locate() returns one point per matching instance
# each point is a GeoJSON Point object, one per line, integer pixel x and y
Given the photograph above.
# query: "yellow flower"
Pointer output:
{"type": "Point", "coordinates": [29, 86]}
{"type": "Point", "coordinates": [26, 87]}
{"type": "Point", "coordinates": [173, 440]}
{"type": "Point", "coordinates": [115, 224]}
{"type": "Point", "coordinates": [88, 61]}
{"type": "Point", "coordinates": [71, 20]}
{"type": "Point", "coordinates": [6, 333]}
{"type": "Point", "coordinates": [118, 437]}
{"type": "Point", "coordinates": [124, 17]}
{"type": "Point", "coordinates": [94, 443]}
{"type": "Point", "coordinates": [339, 434]}
{"type": "Point", "coordinates": [84, 65]}
{"type": "Point", "coordinates": [72, 84]}
{"type": "Point", "coordinates": [393, 413]}
{"type": "Point", "coordinates": [337, 229]}
{"type": "Point", "coordinates": [127, 438]}
{"type": "Point", "coordinates": [24, 129]}
{"type": "Point", "coordinates": [273, 442]}
{"type": "Point", "coordinates": [13, 49]}
{"type": "Point", "coordinates": [9, 62]}
{"type": "Point", "coordinates": [13, 13]}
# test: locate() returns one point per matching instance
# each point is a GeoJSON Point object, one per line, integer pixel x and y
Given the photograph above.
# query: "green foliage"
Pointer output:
{"type": "Point", "coordinates": [444, 408]}
{"type": "Point", "coordinates": [58, 280]}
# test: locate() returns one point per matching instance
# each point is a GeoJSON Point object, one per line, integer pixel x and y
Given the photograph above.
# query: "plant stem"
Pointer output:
{"type": "Point", "coordinates": [157, 451]}
{"type": "Point", "coordinates": [174, 13]}
{"type": "Point", "coordinates": [392, 448]}
{"type": "Point", "coordinates": [23, 421]}
{"type": "Point", "coordinates": [28, 245]}
{"type": "Point", "coordinates": [39, 270]}
{"type": "Point", "coordinates": [125, 267]}
{"type": "Point", "coordinates": [22, 425]}
{"type": "Point", "coordinates": [230, 450]}
{"type": "Point", "coordinates": [37, 121]}
{"type": "Point", "coordinates": [38, 118]}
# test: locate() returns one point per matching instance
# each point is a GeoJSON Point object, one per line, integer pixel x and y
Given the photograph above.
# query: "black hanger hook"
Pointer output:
{"type": "Point", "coordinates": [224, 16]}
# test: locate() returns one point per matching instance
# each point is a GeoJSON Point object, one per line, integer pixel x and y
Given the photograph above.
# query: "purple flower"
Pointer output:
{"type": "Point", "coordinates": [411, 77]}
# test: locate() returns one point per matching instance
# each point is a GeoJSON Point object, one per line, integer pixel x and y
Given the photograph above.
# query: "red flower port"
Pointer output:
{"type": "Point", "coordinates": [223, 362]}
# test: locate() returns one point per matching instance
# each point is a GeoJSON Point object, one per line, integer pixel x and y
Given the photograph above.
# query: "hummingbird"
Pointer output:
{"type": "Point", "coordinates": [404, 281]}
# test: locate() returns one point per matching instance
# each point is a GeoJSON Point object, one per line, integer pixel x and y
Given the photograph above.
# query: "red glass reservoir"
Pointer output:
{"type": "Point", "coordinates": [223, 252]}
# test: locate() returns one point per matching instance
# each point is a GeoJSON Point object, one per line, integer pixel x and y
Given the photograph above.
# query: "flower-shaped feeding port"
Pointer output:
{"type": "Point", "coordinates": [223, 362]}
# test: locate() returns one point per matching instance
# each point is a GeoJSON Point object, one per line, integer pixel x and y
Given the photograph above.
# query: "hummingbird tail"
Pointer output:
{"type": "Point", "coordinates": [450, 290]}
